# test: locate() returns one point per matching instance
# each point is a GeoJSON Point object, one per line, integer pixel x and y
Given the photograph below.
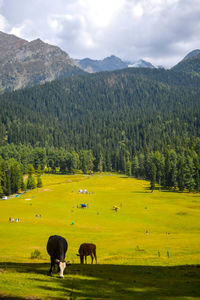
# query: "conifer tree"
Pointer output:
{"type": "Point", "coordinates": [135, 166]}
{"type": "Point", "coordinates": [181, 172]}
{"type": "Point", "coordinates": [171, 169]}
{"type": "Point", "coordinates": [30, 181]}
{"type": "Point", "coordinates": [189, 174]}
{"type": "Point", "coordinates": [153, 177]}
{"type": "Point", "coordinates": [1, 190]}
{"type": "Point", "coordinates": [100, 165]}
{"type": "Point", "coordinates": [128, 168]}
{"type": "Point", "coordinates": [196, 171]}
{"type": "Point", "coordinates": [39, 181]}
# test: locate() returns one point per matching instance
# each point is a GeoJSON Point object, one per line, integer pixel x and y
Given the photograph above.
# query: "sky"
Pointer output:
{"type": "Point", "coordinates": [159, 31]}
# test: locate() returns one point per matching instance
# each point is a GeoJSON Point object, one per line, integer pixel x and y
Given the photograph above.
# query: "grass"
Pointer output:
{"type": "Point", "coordinates": [162, 263]}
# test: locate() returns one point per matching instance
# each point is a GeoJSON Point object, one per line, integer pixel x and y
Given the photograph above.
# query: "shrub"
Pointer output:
{"type": "Point", "coordinates": [31, 182]}
{"type": "Point", "coordinates": [36, 254]}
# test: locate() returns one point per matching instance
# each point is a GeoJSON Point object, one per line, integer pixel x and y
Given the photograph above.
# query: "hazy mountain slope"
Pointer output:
{"type": "Point", "coordinates": [190, 63]}
{"type": "Point", "coordinates": [25, 63]}
{"type": "Point", "coordinates": [110, 63]}
{"type": "Point", "coordinates": [192, 54]}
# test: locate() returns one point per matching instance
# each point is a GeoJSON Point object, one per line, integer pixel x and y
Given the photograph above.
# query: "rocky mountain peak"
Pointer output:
{"type": "Point", "coordinates": [9, 44]}
{"type": "Point", "coordinates": [24, 63]}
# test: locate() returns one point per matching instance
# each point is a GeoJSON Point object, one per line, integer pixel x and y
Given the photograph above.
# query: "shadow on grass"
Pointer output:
{"type": "Point", "coordinates": [110, 281]}
{"type": "Point", "coordinates": [11, 297]}
{"type": "Point", "coordinates": [163, 190]}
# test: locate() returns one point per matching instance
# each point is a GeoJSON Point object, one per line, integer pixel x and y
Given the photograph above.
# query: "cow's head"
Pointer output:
{"type": "Point", "coordinates": [62, 265]}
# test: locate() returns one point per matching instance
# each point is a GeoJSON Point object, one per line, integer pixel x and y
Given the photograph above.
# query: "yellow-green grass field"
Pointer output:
{"type": "Point", "coordinates": [148, 249]}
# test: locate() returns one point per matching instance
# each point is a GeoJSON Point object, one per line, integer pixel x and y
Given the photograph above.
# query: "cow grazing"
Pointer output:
{"type": "Point", "coordinates": [85, 250]}
{"type": "Point", "coordinates": [57, 248]}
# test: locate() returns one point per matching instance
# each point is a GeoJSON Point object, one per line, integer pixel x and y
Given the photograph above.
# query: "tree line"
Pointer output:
{"type": "Point", "coordinates": [173, 169]}
{"type": "Point", "coordinates": [12, 179]}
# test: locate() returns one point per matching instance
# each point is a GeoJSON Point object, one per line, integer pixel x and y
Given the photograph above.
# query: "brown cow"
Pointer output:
{"type": "Point", "coordinates": [85, 250]}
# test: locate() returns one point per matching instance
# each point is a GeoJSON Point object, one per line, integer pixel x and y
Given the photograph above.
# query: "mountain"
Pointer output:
{"type": "Point", "coordinates": [110, 63]}
{"type": "Point", "coordinates": [24, 64]}
{"type": "Point", "coordinates": [192, 54]}
{"type": "Point", "coordinates": [190, 63]}
{"type": "Point", "coordinates": [9, 44]}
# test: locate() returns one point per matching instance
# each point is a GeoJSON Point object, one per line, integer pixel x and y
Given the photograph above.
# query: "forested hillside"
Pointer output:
{"type": "Point", "coordinates": [117, 115]}
{"type": "Point", "coordinates": [146, 108]}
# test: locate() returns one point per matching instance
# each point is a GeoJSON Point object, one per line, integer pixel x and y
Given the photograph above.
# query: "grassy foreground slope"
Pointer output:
{"type": "Point", "coordinates": [140, 248]}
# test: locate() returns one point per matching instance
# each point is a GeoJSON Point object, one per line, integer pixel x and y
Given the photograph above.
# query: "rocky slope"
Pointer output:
{"type": "Point", "coordinates": [24, 64]}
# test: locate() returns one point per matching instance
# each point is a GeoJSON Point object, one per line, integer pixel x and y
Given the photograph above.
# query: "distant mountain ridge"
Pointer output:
{"type": "Point", "coordinates": [110, 63]}
{"type": "Point", "coordinates": [24, 64]}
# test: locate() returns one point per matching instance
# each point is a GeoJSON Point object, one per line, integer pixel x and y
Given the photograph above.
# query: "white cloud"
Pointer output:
{"type": "Point", "coordinates": [101, 13]}
{"type": "Point", "coordinates": [23, 29]}
{"type": "Point", "coordinates": [137, 10]}
{"type": "Point", "coordinates": [162, 31]}
{"type": "Point", "coordinates": [3, 23]}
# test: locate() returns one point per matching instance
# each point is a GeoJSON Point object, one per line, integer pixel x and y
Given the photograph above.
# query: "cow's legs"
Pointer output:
{"type": "Point", "coordinates": [95, 256]}
{"type": "Point", "coordinates": [52, 265]}
{"type": "Point", "coordinates": [92, 258]}
{"type": "Point", "coordinates": [86, 259]}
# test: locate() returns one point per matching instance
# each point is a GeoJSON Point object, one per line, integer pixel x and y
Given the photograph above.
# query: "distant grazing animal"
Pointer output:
{"type": "Point", "coordinates": [57, 248]}
{"type": "Point", "coordinates": [115, 207]}
{"type": "Point", "coordinates": [85, 250]}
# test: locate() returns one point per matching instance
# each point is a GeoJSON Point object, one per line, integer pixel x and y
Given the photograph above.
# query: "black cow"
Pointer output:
{"type": "Point", "coordinates": [85, 250]}
{"type": "Point", "coordinates": [56, 248]}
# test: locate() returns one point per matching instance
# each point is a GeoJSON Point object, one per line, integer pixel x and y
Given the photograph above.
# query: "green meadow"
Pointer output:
{"type": "Point", "coordinates": [148, 249]}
